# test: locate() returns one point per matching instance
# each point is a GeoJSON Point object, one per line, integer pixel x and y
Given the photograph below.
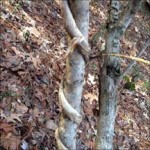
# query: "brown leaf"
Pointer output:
{"type": "Point", "coordinates": [91, 97]}
{"type": "Point", "coordinates": [10, 141]}
{"type": "Point", "coordinates": [17, 52]}
{"type": "Point", "coordinates": [6, 127]}
{"type": "Point", "coordinates": [50, 124]}
{"type": "Point", "coordinates": [12, 118]}
{"type": "Point", "coordinates": [36, 60]}
{"type": "Point", "coordinates": [20, 108]}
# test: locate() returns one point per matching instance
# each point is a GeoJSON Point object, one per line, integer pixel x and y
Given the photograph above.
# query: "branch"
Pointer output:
{"type": "Point", "coordinates": [147, 44]}
{"type": "Point", "coordinates": [128, 14]}
{"type": "Point", "coordinates": [130, 57]}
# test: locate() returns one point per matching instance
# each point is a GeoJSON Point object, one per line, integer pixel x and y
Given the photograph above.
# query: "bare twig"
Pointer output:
{"type": "Point", "coordinates": [130, 57]}
{"type": "Point", "coordinates": [147, 44]}
{"type": "Point", "coordinates": [128, 14]}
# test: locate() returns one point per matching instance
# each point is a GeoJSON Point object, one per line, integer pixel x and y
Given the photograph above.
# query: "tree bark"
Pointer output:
{"type": "Point", "coordinates": [76, 14]}
{"type": "Point", "coordinates": [110, 72]}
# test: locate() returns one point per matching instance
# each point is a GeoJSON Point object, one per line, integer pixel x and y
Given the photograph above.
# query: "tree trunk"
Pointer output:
{"type": "Point", "coordinates": [76, 14]}
{"type": "Point", "coordinates": [110, 73]}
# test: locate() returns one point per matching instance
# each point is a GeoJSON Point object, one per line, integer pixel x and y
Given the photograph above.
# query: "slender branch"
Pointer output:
{"type": "Point", "coordinates": [147, 44]}
{"type": "Point", "coordinates": [127, 15]}
{"type": "Point", "coordinates": [130, 57]}
{"type": "Point", "coordinates": [120, 55]}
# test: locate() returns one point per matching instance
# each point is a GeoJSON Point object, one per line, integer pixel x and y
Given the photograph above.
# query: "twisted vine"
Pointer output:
{"type": "Point", "coordinates": [77, 40]}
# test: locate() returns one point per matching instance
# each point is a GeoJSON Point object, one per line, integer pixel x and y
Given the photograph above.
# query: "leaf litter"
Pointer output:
{"type": "Point", "coordinates": [33, 41]}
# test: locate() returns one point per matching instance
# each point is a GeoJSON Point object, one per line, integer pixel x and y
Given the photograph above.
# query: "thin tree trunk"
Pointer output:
{"type": "Point", "coordinates": [110, 72]}
{"type": "Point", "coordinates": [76, 14]}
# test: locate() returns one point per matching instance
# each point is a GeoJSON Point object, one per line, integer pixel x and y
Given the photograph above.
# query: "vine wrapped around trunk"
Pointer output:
{"type": "Point", "coordinates": [76, 17]}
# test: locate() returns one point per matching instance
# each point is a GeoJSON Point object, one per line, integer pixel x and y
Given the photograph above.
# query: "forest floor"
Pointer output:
{"type": "Point", "coordinates": [32, 45]}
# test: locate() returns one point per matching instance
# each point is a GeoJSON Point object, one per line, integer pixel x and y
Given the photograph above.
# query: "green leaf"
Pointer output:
{"type": "Point", "coordinates": [130, 86]}
{"type": "Point", "coordinates": [146, 85]}
{"type": "Point", "coordinates": [126, 78]}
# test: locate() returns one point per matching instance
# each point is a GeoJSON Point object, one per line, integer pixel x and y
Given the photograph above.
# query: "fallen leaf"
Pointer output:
{"type": "Point", "coordinates": [91, 78]}
{"type": "Point", "coordinates": [6, 127]}
{"type": "Point", "coordinates": [10, 141]}
{"type": "Point", "coordinates": [91, 97]}
{"type": "Point", "coordinates": [20, 108]}
{"type": "Point", "coordinates": [32, 30]}
{"type": "Point", "coordinates": [12, 117]}
{"type": "Point", "coordinates": [50, 124]}
{"type": "Point", "coordinates": [17, 52]}
{"type": "Point", "coordinates": [36, 60]}
{"type": "Point", "coordinates": [136, 29]}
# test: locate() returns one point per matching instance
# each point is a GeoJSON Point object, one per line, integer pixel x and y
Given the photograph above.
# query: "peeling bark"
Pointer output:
{"type": "Point", "coordinates": [76, 14]}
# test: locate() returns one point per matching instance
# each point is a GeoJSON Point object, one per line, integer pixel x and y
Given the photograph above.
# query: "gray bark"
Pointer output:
{"type": "Point", "coordinates": [77, 13]}
{"type": "Point", "coordinates": [110, 72]}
